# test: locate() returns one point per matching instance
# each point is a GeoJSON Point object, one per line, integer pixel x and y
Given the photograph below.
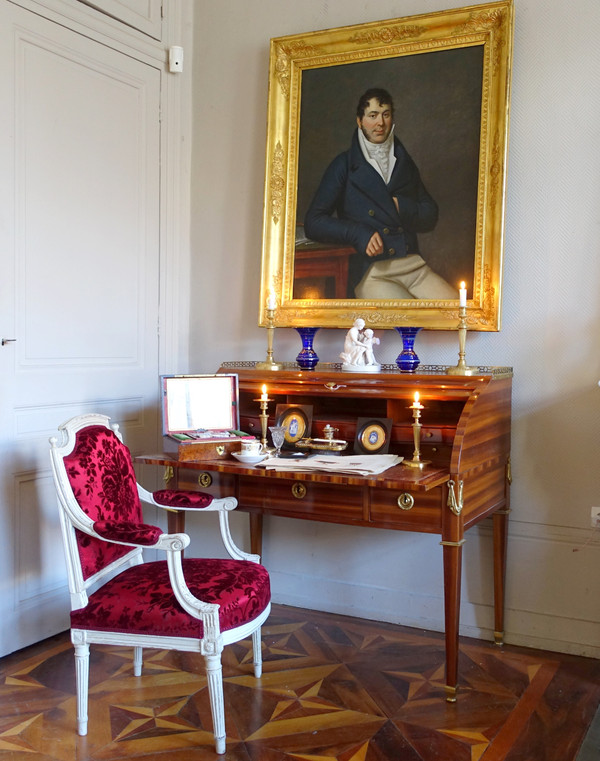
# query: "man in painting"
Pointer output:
{"type": "Point", "coordinates": [372, 198]}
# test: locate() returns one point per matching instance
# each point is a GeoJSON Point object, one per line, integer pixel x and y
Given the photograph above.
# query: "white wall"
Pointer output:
{"type": "Point", "coordinates": [550, 333]}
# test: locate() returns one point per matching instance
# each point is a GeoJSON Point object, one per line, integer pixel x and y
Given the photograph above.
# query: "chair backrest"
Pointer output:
{"type": "Point", "coordinates": [95, 481]}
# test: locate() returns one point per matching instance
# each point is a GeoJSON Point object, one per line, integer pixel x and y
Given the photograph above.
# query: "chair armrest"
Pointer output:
{"type": "Point", "coordinates": [183, 499]}
{"type": "Point", "coordinates": [140, 535]}
{"type": "Point", "coordinates": [130, 533]}
{"type": "Point", "coordinates": [176, 499]}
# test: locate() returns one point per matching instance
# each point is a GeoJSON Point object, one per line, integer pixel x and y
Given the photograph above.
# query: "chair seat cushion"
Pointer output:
{"type": "Point", "coordinates": [140, 600]}
{"type": "Point", "coordinates": [182, 498]}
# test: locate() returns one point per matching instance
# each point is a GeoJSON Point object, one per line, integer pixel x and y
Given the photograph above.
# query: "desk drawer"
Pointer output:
{"type": "Point", "coordinates": [414, 511]}
{"type": "Point", "coordinates": [303, 498]}
{"type": "Point", "coordinates": [217, 484]}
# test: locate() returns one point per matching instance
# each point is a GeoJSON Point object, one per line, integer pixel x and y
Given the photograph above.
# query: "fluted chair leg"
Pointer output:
{"type": "Point", "coordinates": [214, 673]}
{"type": "Point", "coordinates": [257, 653]}
{"type": "Point", "coordinates": [137, 661]}
{"type": "Point", "coordinates": [82, 671]}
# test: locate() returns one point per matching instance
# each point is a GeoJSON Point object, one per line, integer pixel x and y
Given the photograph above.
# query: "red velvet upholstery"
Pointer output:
{"type": "Point", "coordinates": [103, 481]}
{"type": "Point", "coordinates": [134, 533]}
{"type": "Point", "coordinates": [140, 599]}
{"type": "Point", "coordinates": [139, 602]}
{"type": "Point", "coordinates": [177, 498]}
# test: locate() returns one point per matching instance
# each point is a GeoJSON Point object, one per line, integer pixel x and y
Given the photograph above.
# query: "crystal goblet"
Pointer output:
{"type": "Point", "coordinates": [278, 437]}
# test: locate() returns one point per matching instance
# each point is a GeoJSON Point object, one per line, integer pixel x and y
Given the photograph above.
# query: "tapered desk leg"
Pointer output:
{"type": "Point", "coordinates": [500, 543]}
{"type": "Point", "coordinates": [175, 518]}
{"type": "Point", "coordinates": [452, 578]}
{"type": "Point", "coordinates": [175, 521]}
{"type": "Point", "coordinates": [256, 527]}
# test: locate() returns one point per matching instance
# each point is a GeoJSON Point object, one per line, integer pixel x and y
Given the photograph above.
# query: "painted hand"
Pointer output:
{"type": "Point", "coordinates": [375, 245]}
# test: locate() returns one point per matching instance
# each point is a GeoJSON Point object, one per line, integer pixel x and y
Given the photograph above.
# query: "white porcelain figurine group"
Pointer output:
{"type": "Point", "coordinates": [358, 353]}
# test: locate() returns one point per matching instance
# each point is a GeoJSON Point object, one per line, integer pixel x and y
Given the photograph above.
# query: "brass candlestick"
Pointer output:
{"type": "Point", "coordinates": [462, 368]}
{"type": "Point", "coordinates": [416, 461]}
{"type": "Point", "coordinates": [264, 420]}
{"type": "Point", "coordinates": [269, 363]}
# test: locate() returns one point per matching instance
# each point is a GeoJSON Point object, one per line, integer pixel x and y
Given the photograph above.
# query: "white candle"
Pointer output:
{"type": "Point", "coordinates": [264, 397]}
{"type": "Point", "coordinates": [271, 300]}
{"type": "Point", "coordinates": [462, 294]}
{"type": "Point", "coordinates": [416, 404]}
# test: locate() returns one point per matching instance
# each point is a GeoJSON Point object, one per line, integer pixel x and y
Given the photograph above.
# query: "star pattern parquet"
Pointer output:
{"type": "Point", "coordinates": [333, 689]}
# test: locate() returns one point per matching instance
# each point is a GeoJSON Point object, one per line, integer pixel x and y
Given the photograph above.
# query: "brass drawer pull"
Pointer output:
{"type": "Point", "coordinates": [205, 480]}
{"type": "Point", "coordinates": [298, 490]}
{"type": "Point", "coordinates": [406, 501]}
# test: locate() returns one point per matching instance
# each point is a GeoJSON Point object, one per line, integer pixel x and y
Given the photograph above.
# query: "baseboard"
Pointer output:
{"type": "Point", "coordinates": [524, 628]}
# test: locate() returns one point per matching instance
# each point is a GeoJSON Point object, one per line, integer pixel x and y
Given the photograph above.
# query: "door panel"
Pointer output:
{"type": "Point", "coordinates": [79, 250]}
{"type": "Point", "coordinates": [144, 15]}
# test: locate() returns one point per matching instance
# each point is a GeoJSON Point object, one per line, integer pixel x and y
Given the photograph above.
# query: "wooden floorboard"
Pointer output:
{"type": "Point", "coordinates": [333, 689]}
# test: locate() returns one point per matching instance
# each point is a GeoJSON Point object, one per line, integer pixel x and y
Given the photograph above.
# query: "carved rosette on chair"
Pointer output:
{"type": "Point", "coordinates": [195, 605]}
{"type": "Point", "coordinates": [307, 359]}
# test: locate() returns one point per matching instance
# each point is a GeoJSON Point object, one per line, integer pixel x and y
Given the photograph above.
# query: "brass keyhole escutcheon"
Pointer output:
{"type": "Point", "coordinates": [406, 501]}
{"type": "Point", "coordinates": [205, 480]}
{"type": "Point", "coordinates": [220, 450]}
{"type": "Point", "coordinates": [298, 490]}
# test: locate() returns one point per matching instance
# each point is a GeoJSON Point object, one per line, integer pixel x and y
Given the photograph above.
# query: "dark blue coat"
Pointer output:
{"type": "Point", "coordinates": [353, 201]}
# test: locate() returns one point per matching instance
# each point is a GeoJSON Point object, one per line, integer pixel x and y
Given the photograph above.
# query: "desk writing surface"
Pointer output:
{"type": "Point", "coordinates": [397, 477]}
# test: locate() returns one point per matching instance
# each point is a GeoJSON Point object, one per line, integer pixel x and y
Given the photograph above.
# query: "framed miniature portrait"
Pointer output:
{"type": "Point", "coordinates": [298, 420]}
{"type": "Point", "coordinates": [372, 435]}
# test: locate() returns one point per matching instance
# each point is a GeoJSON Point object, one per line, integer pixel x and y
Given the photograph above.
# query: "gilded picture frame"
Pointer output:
{"type": "Point", "coordinates": [449, 76]}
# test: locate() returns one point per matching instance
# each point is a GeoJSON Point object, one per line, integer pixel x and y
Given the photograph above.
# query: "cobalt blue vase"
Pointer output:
{"type": "Point", "coordinates": [407, 360]}
{"type": "Point", "coordinates": [307, 359]}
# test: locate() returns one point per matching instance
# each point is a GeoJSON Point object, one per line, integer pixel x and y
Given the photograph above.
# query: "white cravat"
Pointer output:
{"type": "Point", "coordinates": [379, 155]}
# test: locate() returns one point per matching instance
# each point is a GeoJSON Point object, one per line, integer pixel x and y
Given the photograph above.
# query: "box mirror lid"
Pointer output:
{"type": "Point", "coordinates": [192, 403]}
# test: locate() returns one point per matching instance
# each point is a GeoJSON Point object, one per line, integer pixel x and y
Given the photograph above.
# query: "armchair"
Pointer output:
{"type": "Point", "coordinates": [186, 604]}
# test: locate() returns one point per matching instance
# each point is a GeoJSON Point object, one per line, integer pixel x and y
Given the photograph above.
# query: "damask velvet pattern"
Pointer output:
{"type": "Point", "coordinates": [101, 475]}
{"type": "Point", "coordinates": [140, 599]}
{"type": "Point", "coordinates": [180, 498]}
{"type": "Point", "coordinates": [134, 533]}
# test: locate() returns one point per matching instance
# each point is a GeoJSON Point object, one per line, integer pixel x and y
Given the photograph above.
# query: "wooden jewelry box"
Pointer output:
{"type": "Point", "coordinates": [200, 416]}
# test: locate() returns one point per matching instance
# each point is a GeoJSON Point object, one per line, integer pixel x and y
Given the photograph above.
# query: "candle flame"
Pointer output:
{"type": "Point", "coordinates": [264, 388]}
{"type": "Point", "coordinates": [462, 284]}
{"type": "Point", "coordinates": [416, 397]}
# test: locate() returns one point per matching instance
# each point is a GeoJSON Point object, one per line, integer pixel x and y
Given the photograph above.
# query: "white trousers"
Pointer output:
{"type": "Point", "coordinates": [407, 277]}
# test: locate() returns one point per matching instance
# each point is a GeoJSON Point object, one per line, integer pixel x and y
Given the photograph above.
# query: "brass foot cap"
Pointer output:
{"type": "Point", "coordinates": [451, 693]}
{"type": "Point", "coordinates": [499, 638]}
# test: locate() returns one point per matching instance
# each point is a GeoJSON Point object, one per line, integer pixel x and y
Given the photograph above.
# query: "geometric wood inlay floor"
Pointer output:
{"type": "Point", "coordinates": [333, 689]}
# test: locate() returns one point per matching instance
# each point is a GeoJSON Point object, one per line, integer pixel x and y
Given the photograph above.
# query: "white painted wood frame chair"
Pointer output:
{"type": "Point", "coordinates": [192, 604]}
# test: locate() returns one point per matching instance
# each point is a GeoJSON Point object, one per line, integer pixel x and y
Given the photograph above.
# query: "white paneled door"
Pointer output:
{"type": "Point", "coordinates": [79, 256]}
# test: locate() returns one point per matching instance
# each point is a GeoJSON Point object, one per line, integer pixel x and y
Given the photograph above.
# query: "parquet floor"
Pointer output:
{"type": "Point", "coordinates": [333, 689]}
